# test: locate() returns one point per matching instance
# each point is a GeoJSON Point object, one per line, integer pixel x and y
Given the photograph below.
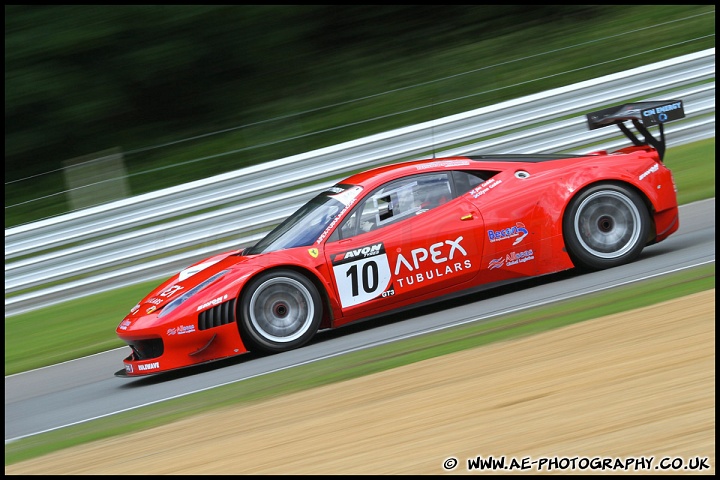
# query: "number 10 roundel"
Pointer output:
{"type": "Point", "coordinates": [362, 274]}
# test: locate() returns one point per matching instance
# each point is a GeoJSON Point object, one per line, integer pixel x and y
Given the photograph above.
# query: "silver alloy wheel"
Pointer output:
{"type": "Point", "coordinates": [607, 224]}
{"type": "Point", "coordinates": [281, 309]}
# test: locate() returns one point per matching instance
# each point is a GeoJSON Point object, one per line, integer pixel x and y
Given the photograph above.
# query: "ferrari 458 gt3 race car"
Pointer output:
{"type": "Point", "coordinates": [403, 235]}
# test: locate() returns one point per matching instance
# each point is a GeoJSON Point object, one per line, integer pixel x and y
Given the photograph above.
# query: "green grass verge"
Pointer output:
{"type": "Point", "coordinates": [377, 359]}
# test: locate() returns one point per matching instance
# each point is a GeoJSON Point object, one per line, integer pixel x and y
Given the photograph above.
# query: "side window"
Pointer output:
{"type": "Point", "coordinates": [396, 201]}
{"type": "Point", "coordinates": [466, 181]}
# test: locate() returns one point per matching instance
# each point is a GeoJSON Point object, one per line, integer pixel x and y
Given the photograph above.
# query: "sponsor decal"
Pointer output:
{"type": "Point", "coordinates": [445, 258]}
{"type": "Point", "coordinates": [518, 232]}
{"type": "Point", "coordinates": [180, 330]}
{"type": "Point", "coordinates": [346, 197]}
{"type": "Point", "coordinates": [149, 366]}
{"type": "Point", "coordinates": [650, 170]}
{"type": "Point", "coordinates": [389, 292]}
{"type": "Point", "coordinates": [485, 187]}
{"type": "Point", "coordinates": [661, 111]}
{"type": "Point", "coordinates": [155, 301]}
{"type": "Point", "coordinates": [496, 263]}
{"type": "Point", "coordinates": [190, 271]}
{"type": "Point", "coordinates": [313, 252]}
{"type": "Point", "coordinates": [362, 252]}
{"type": "Point", "coordinates": [335, 220]}
{"type": "Point", "coordinates": [212, 302]}
{"type": "Point", "coordinates": [436, 253]}
{"type": "Point", "coordinates": [443, 163]}
{"type": "Point", "coordinates": [124, 324]}
{"type": "Point", "coordinates": [436, 273]}
{"type": "Point", "coordinates": [512, 258]}
{"type": "Point", "coordinates": [151, 310]}
{"type": "Point", "coordinates": [170, 291]}
{"type": "Point", "coordinates": [129, 368]}
{"type": "Point", "coordinates": [135, 308]}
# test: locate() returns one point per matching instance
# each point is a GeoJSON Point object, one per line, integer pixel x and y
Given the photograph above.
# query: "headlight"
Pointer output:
{"type": "Point", "coordinates": [185, 296]}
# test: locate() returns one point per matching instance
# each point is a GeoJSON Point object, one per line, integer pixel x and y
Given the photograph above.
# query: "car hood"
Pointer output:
{"type": "Point", "coordinates": [189, 278]}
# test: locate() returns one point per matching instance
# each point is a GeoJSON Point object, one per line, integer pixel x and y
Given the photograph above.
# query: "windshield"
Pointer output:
{"type": "Point", "coordinates": [309, 223]}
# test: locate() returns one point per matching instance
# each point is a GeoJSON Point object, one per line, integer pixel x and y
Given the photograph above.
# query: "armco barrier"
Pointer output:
{"type": "Point", "coordinates": [151, 236]}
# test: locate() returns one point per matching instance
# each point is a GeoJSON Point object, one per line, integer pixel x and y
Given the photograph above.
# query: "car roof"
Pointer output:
{"type": "Point", "coordinates": [498, 162]}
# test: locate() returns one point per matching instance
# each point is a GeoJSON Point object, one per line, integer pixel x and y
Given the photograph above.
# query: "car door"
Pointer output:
{"type": "Point", "coordinates": [407, 241]}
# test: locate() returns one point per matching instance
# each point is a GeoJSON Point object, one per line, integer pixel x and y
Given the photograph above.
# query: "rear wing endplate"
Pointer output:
{"type": "Point", "coordinates": [642, 115]}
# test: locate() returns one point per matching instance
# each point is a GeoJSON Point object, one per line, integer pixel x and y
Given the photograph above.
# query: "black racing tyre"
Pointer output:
{"type": "Point", "coordinates": [606, 225]}
{"type": "Point", "coordinates": [279, 310]}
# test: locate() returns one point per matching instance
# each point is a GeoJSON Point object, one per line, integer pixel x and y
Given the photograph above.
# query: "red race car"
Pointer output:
{"type": "Point", "coordinates": [400, 235]}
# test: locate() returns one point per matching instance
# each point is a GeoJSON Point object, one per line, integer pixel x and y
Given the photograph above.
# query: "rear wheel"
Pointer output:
{"type": "Point", "coordinates": [280, 310]}
{"type": "Point", "coordinates": [605, 226]}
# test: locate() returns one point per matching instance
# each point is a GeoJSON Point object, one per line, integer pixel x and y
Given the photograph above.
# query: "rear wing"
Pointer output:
{"type": "Point", "coordinates": [642, 115]}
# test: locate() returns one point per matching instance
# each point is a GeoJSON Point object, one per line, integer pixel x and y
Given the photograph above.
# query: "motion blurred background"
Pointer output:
{"type": "Point", "coordinates": [108, 102]}
{"type": "Point", "coordinates": [105, 102]}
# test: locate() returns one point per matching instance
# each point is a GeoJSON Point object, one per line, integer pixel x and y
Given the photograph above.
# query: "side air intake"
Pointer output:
{"type": "Point", "coordinates": [219, 315]}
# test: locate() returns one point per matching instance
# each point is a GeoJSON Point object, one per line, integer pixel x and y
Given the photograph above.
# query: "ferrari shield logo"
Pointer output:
{"type": "Point", "coordinates": [313, 252]}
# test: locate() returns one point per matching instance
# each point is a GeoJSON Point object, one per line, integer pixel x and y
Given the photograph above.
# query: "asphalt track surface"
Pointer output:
{"type": "Point", "coordinates": [85, 389]}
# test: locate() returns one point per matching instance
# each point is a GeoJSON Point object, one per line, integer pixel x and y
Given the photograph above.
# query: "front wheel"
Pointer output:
{"type": "Point", "coordinates": [279, 310]}
{"type": "Point", "coordinates": [605, 226]}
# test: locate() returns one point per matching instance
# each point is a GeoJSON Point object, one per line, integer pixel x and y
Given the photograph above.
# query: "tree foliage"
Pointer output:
{"type": "Point", "coordinates": [84, 78]}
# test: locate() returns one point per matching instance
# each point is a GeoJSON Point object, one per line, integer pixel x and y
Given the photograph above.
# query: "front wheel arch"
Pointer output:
{"type": "Point", "coordinates": [280, 309]}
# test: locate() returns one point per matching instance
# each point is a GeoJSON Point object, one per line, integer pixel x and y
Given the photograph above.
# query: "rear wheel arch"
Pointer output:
{"type": "Point", "coordinates": [607, 223]}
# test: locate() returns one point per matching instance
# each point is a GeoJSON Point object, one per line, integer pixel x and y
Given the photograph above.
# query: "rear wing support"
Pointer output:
{"type": "Point", "coordinates": [642, 115]}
